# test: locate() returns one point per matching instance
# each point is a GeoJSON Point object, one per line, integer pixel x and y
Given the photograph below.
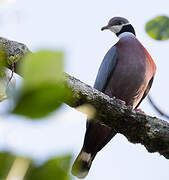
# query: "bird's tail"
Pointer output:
{"type": "Point", "coordinates": [82, 164]}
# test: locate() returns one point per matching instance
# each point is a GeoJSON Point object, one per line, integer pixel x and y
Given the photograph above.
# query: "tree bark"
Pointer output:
{"type": "Point", "coordinates": [151, 132]}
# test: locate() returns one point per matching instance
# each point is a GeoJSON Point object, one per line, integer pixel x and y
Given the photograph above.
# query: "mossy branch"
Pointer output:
{"type": "Point", "coordinates": [151, 132]}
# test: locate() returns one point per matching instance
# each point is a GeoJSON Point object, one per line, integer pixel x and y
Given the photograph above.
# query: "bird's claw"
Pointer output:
{"type": "Point", "coordinates": [120, 101]}
{"type": "Point", "coordinates": [140, 111]}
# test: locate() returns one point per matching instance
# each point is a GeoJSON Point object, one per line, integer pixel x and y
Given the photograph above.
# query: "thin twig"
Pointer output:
{"type": "Point", "coordinates": [12, 69]}
{"type": "Point", "coordinates": [157, 108]}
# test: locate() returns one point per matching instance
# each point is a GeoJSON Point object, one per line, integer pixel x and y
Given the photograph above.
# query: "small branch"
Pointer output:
{"type": "Point", "coordinates": [151, 132]}
{"type": "Point", "coordinates": [157, 108]}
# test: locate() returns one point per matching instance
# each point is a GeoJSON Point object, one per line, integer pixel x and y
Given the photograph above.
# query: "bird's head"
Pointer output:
{"type": "Point", "coordinates": [119, 25]}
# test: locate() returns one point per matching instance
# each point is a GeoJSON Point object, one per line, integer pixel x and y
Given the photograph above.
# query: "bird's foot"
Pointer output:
{"type": "Point", "coordinates": [140, 111]}
{"type": "Point", "coordinates": [120, 101]}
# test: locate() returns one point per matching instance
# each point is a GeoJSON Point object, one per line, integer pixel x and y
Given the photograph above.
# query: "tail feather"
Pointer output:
{"type": "Point", "coordinates": [96, 137]}
{"type": "Point", "coordinates": [82, 164]}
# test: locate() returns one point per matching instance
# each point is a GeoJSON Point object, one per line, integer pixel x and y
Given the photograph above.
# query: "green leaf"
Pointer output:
{"type": "Point", "coordinates": [43, 90]}
{"type": "Point", "coordinates": [158, 28]}
{"type": "Point", "coordinates": [6, 161]}
{"type": "Point", "coordinates": [54, 169]}
{"type": "Point", "coordinates": [40, 67]}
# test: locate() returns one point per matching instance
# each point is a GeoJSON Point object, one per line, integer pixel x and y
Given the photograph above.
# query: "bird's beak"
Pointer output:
{"type": "Point", "coordinates": [105, 27]}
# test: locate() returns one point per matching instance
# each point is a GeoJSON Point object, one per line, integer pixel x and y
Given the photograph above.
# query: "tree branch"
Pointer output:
{"type": "Point", "coordinates": [151, 132]}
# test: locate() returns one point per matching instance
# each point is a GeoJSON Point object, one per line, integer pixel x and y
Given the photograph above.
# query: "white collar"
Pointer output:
{"type": "Point", "coordinates": [125, 34]}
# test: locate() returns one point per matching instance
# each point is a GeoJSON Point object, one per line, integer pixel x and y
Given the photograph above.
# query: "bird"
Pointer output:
{"type": "Point", "coordinates": [126, 73]}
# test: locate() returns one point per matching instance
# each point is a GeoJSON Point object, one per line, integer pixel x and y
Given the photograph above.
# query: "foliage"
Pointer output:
{"type": "Point", "coordinates": [158, 28]}
{"type": "Point", "coordinates": [6, 160]}
{"type": "Point", "coordinates": [53, 169]}
{"type": "Point", "coordinates": [43, 90]}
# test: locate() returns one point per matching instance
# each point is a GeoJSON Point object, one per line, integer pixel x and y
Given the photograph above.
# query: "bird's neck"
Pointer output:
{"type": "Point", "coordinates": [125, 34]}
{"type": "Point", "coordinates": [126, 29]}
